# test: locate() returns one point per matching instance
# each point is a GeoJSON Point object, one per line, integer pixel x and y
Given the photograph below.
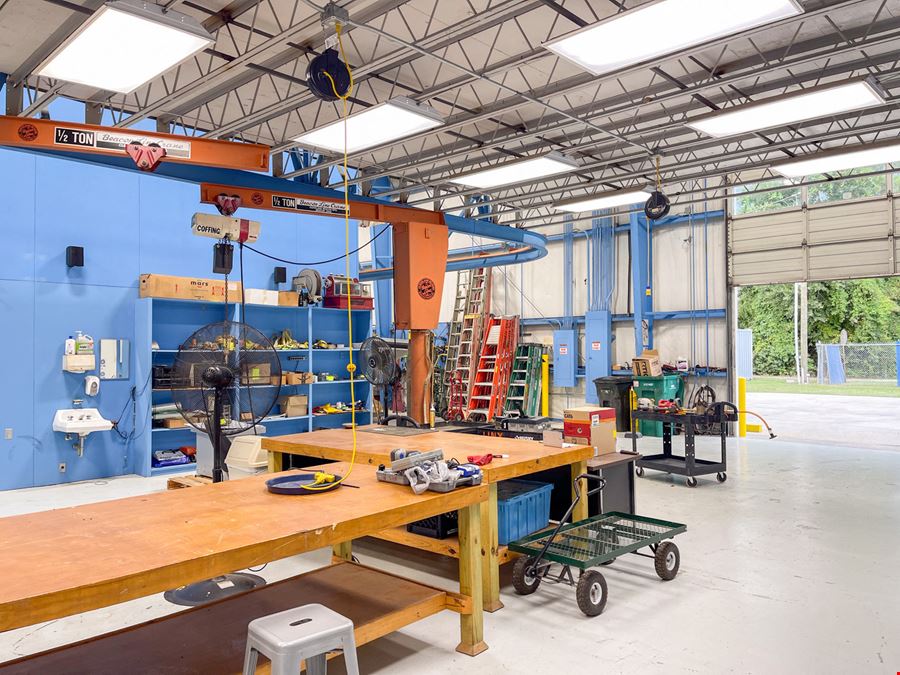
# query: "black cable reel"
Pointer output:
{"type": "Point", "coordinates": [328, 62]}
{"type": "Point", "coordinates": [658, 206]}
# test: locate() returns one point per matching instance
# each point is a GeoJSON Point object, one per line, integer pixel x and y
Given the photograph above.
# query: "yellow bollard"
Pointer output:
{"type": "Point", "coordinates": [742, 406]}
{"type": "Point", "coordinates": [545, 385]}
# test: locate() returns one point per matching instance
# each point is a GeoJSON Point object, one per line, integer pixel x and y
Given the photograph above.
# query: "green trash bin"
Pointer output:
{"type": "Point", "coordinates": [659, 389]}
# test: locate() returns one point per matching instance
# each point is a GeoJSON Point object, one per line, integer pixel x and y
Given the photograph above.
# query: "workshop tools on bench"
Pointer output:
{"type": "Point", "coordinates": [427, 471]}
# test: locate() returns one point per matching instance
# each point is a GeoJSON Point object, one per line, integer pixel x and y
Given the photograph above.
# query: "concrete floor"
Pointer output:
{"type": "Point", "coordinates": [791, 566]}
{"type": "Point", "coordinates": [871, 421]}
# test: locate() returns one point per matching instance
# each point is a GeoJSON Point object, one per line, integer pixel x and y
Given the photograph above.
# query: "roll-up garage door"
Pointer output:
{"type": "Point", "coordinates": [850, 240]}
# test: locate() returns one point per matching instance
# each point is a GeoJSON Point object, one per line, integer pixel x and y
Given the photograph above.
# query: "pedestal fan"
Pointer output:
{"type": "Point", "coordinates": [226, 378]}
{"type": "Point", "coordinates": [379, 367]}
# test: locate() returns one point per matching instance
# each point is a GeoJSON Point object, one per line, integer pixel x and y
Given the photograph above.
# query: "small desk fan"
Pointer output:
{"type": "Point", "coordinates": [226, 379]}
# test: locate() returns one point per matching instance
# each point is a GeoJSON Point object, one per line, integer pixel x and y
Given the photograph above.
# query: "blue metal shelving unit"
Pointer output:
{"type": "Point", "coordinates": [169, 322]}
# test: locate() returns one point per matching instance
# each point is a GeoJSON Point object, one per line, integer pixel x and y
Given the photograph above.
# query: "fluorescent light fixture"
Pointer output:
{"type": "Point", "coordinates": [519, 171]}
{"type": "Point", "coordinates": [125, 43]}
{"type": "Point", "coordinates": [380, 124]}
{"type": "Point", "coordinates": [605, 200]}
{"type": "Point", "coordinates": [840, 159]}
{"type": "Point", "coordinates": [811, 104]}
{"type": "Point", "coordinates": [663, 27]}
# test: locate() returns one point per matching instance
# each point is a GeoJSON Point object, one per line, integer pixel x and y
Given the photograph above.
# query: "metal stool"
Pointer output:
{"type": "Point", "coordinates": [305, 633]}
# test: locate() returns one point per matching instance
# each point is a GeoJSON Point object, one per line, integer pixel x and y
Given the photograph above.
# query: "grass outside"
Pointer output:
{"type": "Point", "coordinates": [764, 384]}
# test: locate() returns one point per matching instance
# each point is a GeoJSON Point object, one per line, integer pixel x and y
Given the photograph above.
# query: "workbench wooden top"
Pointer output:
{"type": "Point", "coordinates": [66, 561]}
{"type": "Point", "coordinates": [372, 448]}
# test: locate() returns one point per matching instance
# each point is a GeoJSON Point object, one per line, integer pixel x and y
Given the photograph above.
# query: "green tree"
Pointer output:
{"type": "Point", "coordinates": [868, 309]}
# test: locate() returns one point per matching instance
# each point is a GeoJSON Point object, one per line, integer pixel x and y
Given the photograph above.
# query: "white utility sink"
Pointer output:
{"type": "Point", "coordinates": [81, 421]}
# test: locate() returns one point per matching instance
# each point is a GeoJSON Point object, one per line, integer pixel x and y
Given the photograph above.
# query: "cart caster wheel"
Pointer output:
{"type": "Point", "coordinates": [667, 560]}
{"type": "Point", "coordinates": [591, 593]}
{"type": "Point", "coordinates": [525, 584]}
{"type": "Point", "coordinates": [721, 476]}
{"type": "Point", "coordinates": [639, 471]}
{"type": "Point", "coordinates": [691, 482]}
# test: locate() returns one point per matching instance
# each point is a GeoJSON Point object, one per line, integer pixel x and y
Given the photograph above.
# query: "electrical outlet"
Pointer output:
{"type": "Point", "coordinates": [8, 434]}
{"type": "Point", "coordinates": [62, 467]}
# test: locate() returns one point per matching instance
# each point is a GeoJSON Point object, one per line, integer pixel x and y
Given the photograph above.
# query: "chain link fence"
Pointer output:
{"type": "Point", "coordinates": [857, 362]}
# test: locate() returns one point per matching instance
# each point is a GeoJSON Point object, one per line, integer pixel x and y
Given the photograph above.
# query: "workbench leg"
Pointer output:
{"type": "Point", "coordinates": [581, 509]}
{"type": "Point", "coordinates": [344, 550]}
{"type": "Point", "coordinates": [490, 562]}
{"type": "Point", "coordinates": [276, 462]}
{"type": "Point", "coordinates": [471, 626]}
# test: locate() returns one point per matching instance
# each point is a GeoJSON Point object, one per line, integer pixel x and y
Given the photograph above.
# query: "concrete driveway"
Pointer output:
{"type": "Point", "coordinates": [867, 421]}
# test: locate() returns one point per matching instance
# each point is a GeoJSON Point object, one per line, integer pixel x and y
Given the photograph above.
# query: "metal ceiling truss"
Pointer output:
{"type": "Point", "coordinates": [482, 65]}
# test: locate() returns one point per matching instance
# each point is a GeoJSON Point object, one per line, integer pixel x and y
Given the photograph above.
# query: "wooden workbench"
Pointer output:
{"type": "Point", "coordinates": [525, 457]}
{"type": "Point", "coordinates": [72, 560]}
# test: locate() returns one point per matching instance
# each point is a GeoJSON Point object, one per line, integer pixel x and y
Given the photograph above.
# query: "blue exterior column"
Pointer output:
{"type": "Point", "coordinates": [641, 269]}
{"type": "Point", "coordinates": [384, 288]}
{"type": "Point", "coordinates": [897, 359]}
{"type": "Point", "coordinates": [568, 264]}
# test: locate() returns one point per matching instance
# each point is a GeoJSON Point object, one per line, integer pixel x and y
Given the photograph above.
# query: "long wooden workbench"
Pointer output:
{"type": "Point", "coordinates": [67, 561]}
{"type": "Point", "coordinates": [525, 457]}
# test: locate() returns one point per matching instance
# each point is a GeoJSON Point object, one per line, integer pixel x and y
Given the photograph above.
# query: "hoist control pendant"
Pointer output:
{"type": "Point", "coordinates": [329, 62]}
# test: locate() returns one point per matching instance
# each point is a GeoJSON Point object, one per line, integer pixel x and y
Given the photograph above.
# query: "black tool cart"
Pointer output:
{"type": "Point", "coordinates": [689, 465]}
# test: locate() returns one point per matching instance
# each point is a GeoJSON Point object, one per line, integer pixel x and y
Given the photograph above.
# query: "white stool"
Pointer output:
{"type": "Point", "coordinates": [305, 633]}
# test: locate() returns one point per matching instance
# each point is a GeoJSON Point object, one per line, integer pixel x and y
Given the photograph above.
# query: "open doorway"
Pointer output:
{"type": "Point", "coordinates": [821, 359]}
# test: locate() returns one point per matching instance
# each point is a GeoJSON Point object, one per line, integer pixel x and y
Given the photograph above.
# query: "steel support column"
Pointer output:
{"type": "Point", "coordinates": [641, 273]}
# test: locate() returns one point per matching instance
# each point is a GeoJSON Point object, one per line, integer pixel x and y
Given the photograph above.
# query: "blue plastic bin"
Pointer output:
{"type": "Point", "coordinates": [523, 507]}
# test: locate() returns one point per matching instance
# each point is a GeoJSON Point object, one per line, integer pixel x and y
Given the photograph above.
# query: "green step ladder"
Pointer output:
{"type": "Point", "coordinates": [524, 392]}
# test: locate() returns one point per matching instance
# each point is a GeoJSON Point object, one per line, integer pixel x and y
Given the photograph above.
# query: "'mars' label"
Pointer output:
{"type": "Point", "coordinates": [595, 346]}
{"type": "Point", "coordinates": [117, 140]}
{"type": "Point", "coordinates": [563, 349]}
{"type": "Point", "coordinates": [308, 205]}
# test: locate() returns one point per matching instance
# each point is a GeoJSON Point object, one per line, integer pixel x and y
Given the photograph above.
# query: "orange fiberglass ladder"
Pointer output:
{"type": "Point", "coordinates": [471, 330]}
{"type": "Point", "coordinates": [495, 364]}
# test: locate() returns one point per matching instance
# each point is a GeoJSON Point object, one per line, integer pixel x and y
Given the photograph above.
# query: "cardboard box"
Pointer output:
{"type": "Point", "coordinates": [257, 373]}
{"type": "Point", "coordinates": [294, 406]}
{"type": "Point", "coordinates": [647, 364]}
{"type": "Point", "coordinates": [173, 423]}
{"type": "Point", "coordinates": [187, 288]}
{"type": "Point", "coordinates": [259, 296]}
{"type": "Point", "coordinates": [288, 298]}
{"type": "Point", "coordinates": [602, 437]}
{"type": "Point", "coordinates": [291, 378]}
{"type": "Point", "coordinates": [588, 414]}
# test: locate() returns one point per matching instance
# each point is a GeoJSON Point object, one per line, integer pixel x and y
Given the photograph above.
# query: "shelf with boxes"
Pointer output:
{"type": "Point", "coordinates": [162, 324]}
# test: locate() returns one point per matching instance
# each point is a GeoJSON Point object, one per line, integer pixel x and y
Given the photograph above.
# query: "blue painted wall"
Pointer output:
{"type": "Point", "coordinates": [129, 224]}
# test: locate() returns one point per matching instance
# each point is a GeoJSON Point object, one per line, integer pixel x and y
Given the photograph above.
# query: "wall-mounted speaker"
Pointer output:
{"type": "Point", "coordinates": [74, 256]}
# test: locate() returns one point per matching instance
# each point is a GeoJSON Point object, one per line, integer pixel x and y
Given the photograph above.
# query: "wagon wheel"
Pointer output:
{"type": "Point", "coordinates": [691, 481]}
{"type": "Point", "coordinates": [525, 580]}
{"type": "Point", "coordinates": [721, 476]}
{"type": "Point", "coordinates": [639, 471]}
{"type": "Point", "coordinates": [591, 593]}
{"type": "Point", "coordinates": [667, 560]}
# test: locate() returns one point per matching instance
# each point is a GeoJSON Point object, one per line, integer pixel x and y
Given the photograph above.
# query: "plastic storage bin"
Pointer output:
{"type": "Point", "coordinates": [664, 387]}
{"type": "Point", "coordinates": [246, 457]}
{"type": "Point", "coordinates": [436, 527]}
{"type": "Point", "coordinates": [523, 507]}
{"type": "Point", "coordinates": [615, 392]}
